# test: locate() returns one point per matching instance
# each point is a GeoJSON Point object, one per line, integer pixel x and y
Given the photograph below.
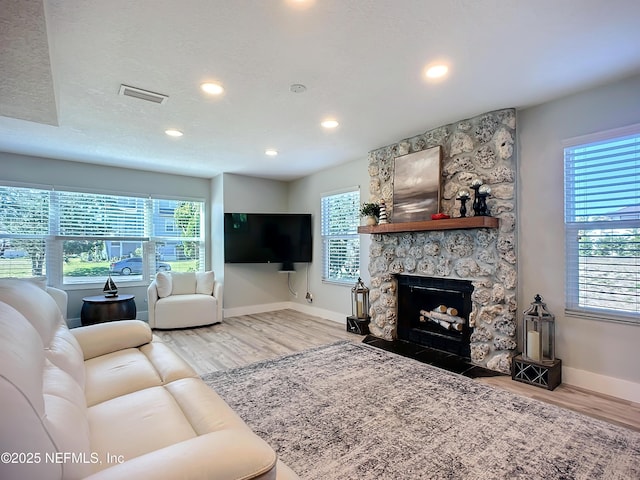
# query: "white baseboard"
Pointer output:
{"type": "Point", "coordinates": [337, 317]}
{"type": "Point", "coordinates": [253, 309]}
{"type": "Point", "coordinates": [270, 307]}
{"type": "Point", "coordinates": [74, 322]}
{"type": "Point", "coordinates": [614, 387]}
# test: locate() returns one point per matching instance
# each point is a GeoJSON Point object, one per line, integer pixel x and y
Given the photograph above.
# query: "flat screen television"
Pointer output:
{"type": "Point", "coordinates": [267, 238]}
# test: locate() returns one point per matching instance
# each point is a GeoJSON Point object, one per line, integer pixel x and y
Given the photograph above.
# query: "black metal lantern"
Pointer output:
{"type": "Point", "coordinates": [360, 300]}
{"type": "Point", "coordinates": [539, 333]}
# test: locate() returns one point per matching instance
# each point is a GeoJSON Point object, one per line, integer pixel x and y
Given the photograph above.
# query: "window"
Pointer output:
{"type": "Point", "coordinates": [80, 238]}
{"type": "Point", "coordinates": [24, 228]}
{"type": "Point", "coordinates": [95, 231]}
{"type": "Point", "coordinates": [602, 225]}
{"type": "Point", "coordinates": [340, 239]}
{"type": "Point", "coordinates": [178, 239]}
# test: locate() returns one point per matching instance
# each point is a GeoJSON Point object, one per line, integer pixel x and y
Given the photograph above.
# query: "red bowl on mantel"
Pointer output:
{"type": "Point", "coordinates": [439, 216]}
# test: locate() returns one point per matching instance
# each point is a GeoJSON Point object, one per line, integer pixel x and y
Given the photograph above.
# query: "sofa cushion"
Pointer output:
{"type": "Point", "coordinates": [66, 418]}
{"type": "Point", "coordinates": [163, 284]}
{"type": "Point", "coordinates": [204, 282]}
{"type": "Point", "coordinates": [169, 365]}
{"type": "Point", "coordinates": [118, 373]}
{"type": "Point", "coordinates": [108, 337]}
{"type": "Point", "coordinates": [126, 371]}
{"type": "Point", "coordinates": [240, 453]}
{"type": "Point", "coordinates": [228, 454]}
{"type": "Point", "coordinates": [21, 369]}
{"type": "Point", "coordinates": [41, 310]}
{"type": "Point", "coordinates": [206, 410]}
{"type": "Point", "coordinates": [32, 302]}
{"type": "Point", "coordinates": [138, 423]}
{"type": "Point", "coordinates": [184, 283]}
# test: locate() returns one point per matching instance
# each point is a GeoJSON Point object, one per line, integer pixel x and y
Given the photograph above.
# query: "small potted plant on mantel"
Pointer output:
{"type": "Point", "coordinates": [371, 212]}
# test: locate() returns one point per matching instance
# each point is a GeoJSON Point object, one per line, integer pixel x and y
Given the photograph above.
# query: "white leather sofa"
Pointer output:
{"type": "Point", "coordinates": [184, 299]}
{"type": "Point", "coordinates": [107, 401]}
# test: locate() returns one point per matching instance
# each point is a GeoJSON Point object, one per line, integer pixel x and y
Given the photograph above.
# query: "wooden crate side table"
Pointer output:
{"type": "Point", "coordinates": [544, 376]}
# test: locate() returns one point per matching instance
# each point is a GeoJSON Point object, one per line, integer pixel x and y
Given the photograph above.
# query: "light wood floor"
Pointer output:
{"type": "Point", "coordinates": [246, 339]}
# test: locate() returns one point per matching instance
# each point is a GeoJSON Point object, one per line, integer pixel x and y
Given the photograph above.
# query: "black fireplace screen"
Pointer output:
{"type": "Point", "coordinates": [434, 312]}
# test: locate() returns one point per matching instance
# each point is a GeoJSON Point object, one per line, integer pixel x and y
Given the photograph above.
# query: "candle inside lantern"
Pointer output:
{"type": "Point", "coordinates": [533, 345]}
{"type": "Point", "coordinates": [359, 309]}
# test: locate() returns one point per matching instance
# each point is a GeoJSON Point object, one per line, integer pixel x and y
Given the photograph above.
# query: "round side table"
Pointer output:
{"type": "Point", "coordinates": [99, 308]}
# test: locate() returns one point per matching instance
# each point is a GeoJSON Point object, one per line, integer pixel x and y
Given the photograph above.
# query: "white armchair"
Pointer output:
{"type": "Point", "coordinates": [184, 299]}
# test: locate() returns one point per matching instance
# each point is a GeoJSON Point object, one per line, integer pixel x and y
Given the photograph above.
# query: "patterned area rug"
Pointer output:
{"type": "Point", "coordinates": [350, 411]}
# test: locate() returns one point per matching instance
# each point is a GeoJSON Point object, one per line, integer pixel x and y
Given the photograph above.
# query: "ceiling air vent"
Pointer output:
{"type": "Point", "coordinates": [152, 97]}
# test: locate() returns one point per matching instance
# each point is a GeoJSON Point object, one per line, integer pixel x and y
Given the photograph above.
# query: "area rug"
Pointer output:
{"type": "Point", "coordinates": [351, 411]}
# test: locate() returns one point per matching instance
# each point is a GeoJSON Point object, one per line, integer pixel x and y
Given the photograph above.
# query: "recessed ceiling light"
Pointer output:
{"type": "Point", "coordinates": [173, 132]}
{"type": "Point", "coordinates": [301, 3]}
{"type": "Point", "coordinates": [271, 152]}
{"type": "Point", "coordinates": [436, 71]}
{"type": "Point", "coordinates": [329, 123]}
{"type": "Point", "coordinates": [212, 88]}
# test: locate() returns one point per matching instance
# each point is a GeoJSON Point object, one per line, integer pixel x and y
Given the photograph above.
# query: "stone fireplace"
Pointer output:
{"type": "Point", "coordinates": [484, 260]}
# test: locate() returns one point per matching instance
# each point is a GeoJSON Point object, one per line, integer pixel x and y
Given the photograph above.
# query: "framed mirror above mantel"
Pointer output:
{"type": "Point", "coordinates": [463, 223]}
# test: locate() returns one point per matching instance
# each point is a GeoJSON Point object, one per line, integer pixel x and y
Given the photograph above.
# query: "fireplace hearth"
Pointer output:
{"type": "Point", "coordinates": [434, 313]}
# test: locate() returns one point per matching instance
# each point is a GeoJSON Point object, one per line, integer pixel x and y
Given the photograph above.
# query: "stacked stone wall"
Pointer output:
{"type": "Point", "coordinates": [482, 147]}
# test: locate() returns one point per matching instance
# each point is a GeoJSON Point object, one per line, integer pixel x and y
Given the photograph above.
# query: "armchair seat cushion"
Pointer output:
{"type": "Point", "coordinates": [181, 311]}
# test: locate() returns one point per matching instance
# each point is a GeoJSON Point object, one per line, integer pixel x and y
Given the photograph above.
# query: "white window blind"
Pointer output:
{"type": "Point", "coordinates": [79, 238]}
{"type": "Point", "coordinates": [602, 226]}
{"type": "Point", "coordinates": [176, 229]}
{"type": "Point", "coordinates": [96, 230]}
{"type": "Point", "coordinates": [94, 215]}
{"type": "Point", "coordinates": [24, 226]}
{"type": "Point", "coordinates": [340, 239]}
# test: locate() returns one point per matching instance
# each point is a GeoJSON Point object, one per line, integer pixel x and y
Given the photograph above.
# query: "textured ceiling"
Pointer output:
{"type": "Point", "coordinates": [361, 60]}
{"type": "Point", "coordinates": [26, 86]}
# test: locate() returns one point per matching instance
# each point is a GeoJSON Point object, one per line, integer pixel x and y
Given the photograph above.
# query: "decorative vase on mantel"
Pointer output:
{"type": "Point", "coordinates": [370, 220]}
{"type": "Point", "coordinates": [370, 212]}
{"type": "Point", "coordinates": [382, 217]}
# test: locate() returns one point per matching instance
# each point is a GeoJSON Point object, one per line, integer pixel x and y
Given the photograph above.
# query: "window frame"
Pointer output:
{"type": "Point", "coordinates": [573, 227]}
{"type": "Point", "coordinates": [54, 241]}
{"type": "Point", "coordinates": [326, 237]}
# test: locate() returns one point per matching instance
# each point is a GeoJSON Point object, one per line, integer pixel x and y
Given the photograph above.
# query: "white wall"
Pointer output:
{"type": "Point", "coordinates": [597, 355]}
{"type": "Point", "coordinates": [45, 171]}
{"type": "Point", "coordinates": [217, 228]}
{"type": "Point", "coordinates": [253, 287]}
{"type": "Point", "coordinates": [330, 300]}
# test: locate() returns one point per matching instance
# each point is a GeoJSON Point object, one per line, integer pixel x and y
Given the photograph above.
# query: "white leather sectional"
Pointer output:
{"type": "Point", "coordinates": [107, 401]}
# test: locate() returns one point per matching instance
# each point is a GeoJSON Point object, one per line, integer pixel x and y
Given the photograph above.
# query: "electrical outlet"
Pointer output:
{"type": "Point", "coordinates": [309, 297]}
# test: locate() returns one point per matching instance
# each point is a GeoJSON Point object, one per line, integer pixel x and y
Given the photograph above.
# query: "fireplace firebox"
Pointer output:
{"type": "Point", "coordinates": [434, 312]}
